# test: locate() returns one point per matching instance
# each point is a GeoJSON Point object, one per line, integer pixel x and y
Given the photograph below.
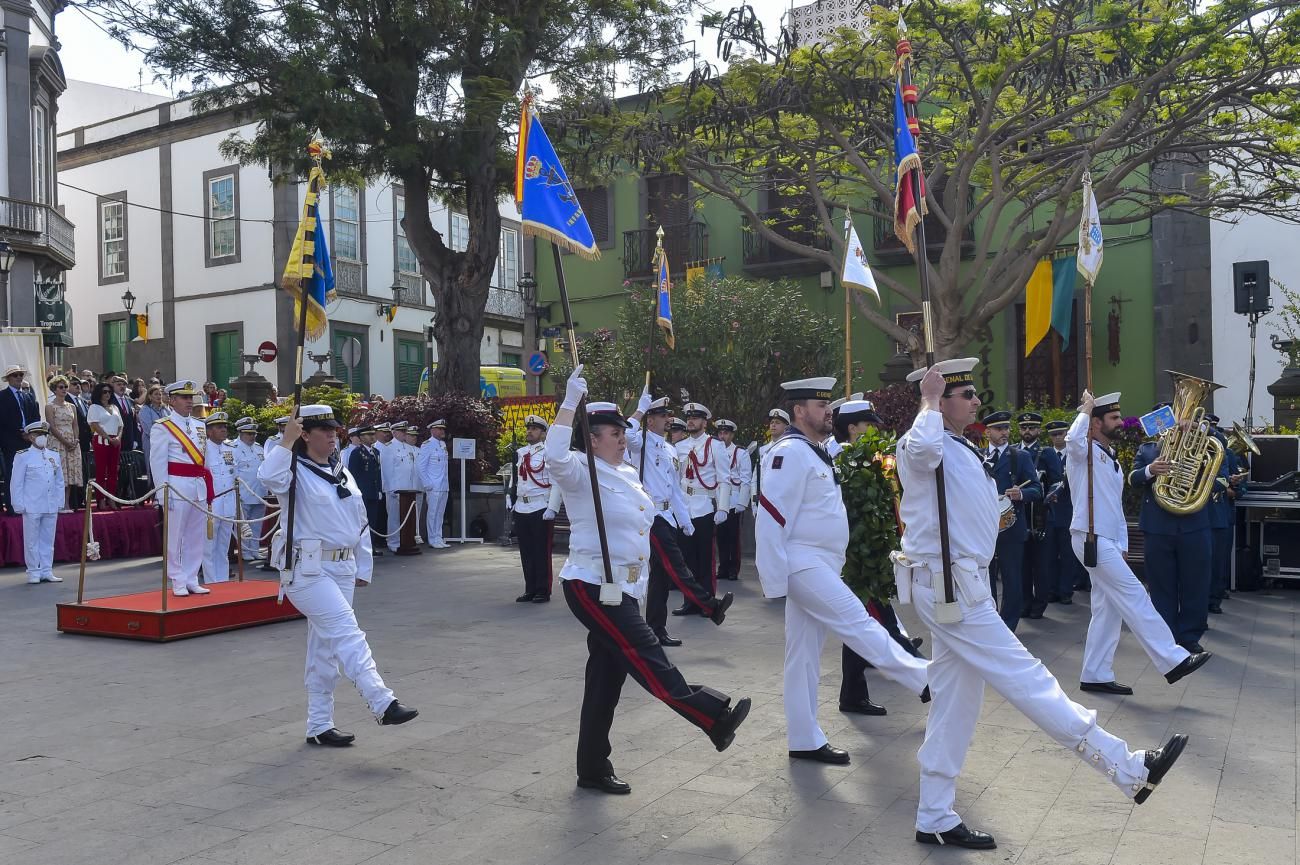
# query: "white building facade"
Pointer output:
{"type": "Point", "coordinates": [200, 244]}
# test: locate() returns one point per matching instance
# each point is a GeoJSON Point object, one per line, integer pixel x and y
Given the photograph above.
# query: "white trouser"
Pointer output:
{"type": "Point", "coordinates": [978, 649]}
{"type": "Point", "coordinates": [187, 531]}
{"type": "Point", "coordinates": [433, 522]}
{"type": "Point", "coordinates": [38, 544]}
{"type": "Point", "coordinates": [1118, 596]}
{"type": "Point", "coordinates": [250, 545]}
{"type": "Point", "coordinates": [216, 550]}
{"type": "Point", "coordinates": [334, 638]}
{"type": "Point", "coordinates": [818, 601]}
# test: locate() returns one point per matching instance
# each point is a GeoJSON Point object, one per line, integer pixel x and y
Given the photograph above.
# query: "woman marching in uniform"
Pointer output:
{"type": "Point", "coordinates": [619, 641]}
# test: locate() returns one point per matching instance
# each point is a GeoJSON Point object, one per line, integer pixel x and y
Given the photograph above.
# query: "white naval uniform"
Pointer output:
{"type": "Point", "coordinates": [704, 475]}
{"type": "Point", "coordinates": [1117, 596]}
{"type": "Point", "coordinates": [248, 459]}
{"type": "Point", "coordinates": [220, 460]}
{"type": "Point", "coordinates": [833, 446]}
{"type": "Point", "coordinates": [325, 598]}
{"type": "Point", "coordinates": [755, 478]}
{"type": "Point", "coordinates": [740, 472]}
{"type": "Point", "coordinates": [628, 511]}
{"type": "Point", "coordinates": [530, 495]}
{"type": "Point", "coordinates": [187, 524]}
{"type": "Point", "coordinates": [397, 472]}
{"type": "Point", "coordinates": [36, 492]}
{"type": "Point", "coordinates": [980, 648]}
{"type": "Point", "coordinates": [802, 532]}
{"type": "Point", "coordinates": [273, 440]}
{"type": "Point", "coordinates": [661, 481]}
{"type": "Point", "coordinates": [346, 453]}
{"type": "Point", "coordinates": [433, 463]}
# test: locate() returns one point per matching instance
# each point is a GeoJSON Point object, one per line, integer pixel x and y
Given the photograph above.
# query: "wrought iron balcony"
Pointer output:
{"type": "Point", "coordinates": [38, 228]}
{"type": "Point", "coordinates": [688, 241]}
{"type": "Point", "coordinates": [505, 303]}
{"type": "Point", "coordinates": [763, 258]}
{"type": "Point", "coordinates": [890, 250]}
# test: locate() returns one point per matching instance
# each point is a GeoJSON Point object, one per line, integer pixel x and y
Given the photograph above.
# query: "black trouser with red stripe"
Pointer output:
{"type": "Point", "coordinates": [621, 644]}
{"type": "Point", "coordinates": [668, 569]}
{"type": "Point", "coordinates": [728, 536]}
{"type": "Point", "coordinates": [534, 535]}
{"type": "Point", "coordinates": [853, 688]}
{"type": "Point", "coordinates": [698, 550]}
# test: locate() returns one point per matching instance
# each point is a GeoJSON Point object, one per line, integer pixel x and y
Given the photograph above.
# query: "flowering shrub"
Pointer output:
{"type": "Point", "coordinates": [467, 417]}
{"type": "Point", "coordinates": [864, 468]}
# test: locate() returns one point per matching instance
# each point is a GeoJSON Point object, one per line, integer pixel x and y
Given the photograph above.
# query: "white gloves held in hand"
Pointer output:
{"type": "Point", "coordinates": [574, 390]}
{"type": "Point", "coordinates": [719, 517]}
{"type": "Point", "coordinates": [548, 515]}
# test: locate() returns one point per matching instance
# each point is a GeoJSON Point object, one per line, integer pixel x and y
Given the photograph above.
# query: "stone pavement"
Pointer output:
{"type": "Point", "coordinates": [192, 752]}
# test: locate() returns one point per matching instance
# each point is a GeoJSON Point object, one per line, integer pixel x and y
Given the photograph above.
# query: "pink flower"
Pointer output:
{"type": "Point", "coordinates": [776, 354]}
{"type": "Point", "coordinates": [626, 283]}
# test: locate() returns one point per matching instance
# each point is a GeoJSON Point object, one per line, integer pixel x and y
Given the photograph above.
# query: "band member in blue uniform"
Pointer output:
{"type": "Point", "coordinates": [1039, 583]}
{"type": "Point", "coordinates": [1059, 561]}
{"type": "Point", "coordinates": [1016, 479]}
{"type": "Point", "coordinates": [364, 465]}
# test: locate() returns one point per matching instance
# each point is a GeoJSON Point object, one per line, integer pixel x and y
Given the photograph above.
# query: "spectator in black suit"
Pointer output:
{"type": "Point", "coordinates": [129, 410]}
{"type": "Point", "coordinates": [17, 409]}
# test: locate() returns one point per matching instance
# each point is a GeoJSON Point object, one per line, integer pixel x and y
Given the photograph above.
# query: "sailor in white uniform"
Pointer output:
{"type": "Point", "coordinates": [802, 532]}
{"type": "Point", "coordinates": [704, 479]}
{"type": "Point", "coordinates": [739, 470]}
{"type": "Point", "coordinates": [1117, 596]}
{"type": "Point", "coordinates": [36, 492]}
{"type": "Point", "coordinates": [433, 472]}
{"type": "Point", "coordinates": [177, 447]}
{"type": "Point", "coordinates": [219, 457]}
{"type": "Point", "coordinates": [331, 557]}
{"type": "Point", "coordinates": [248, 459]}
{"type": "Point", "coordinates": [397, 471]}
{"type": "Point", "coordinates": [274, 439]}
{"type": "Point", "coordinates": [971, 643]}
{"type": "Point", "coordinates": [536, 502]}
{"type": "Point", "coordinates": [778, 422]}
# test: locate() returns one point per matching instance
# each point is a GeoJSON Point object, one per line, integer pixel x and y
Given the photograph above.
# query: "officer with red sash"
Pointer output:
{"type": "Point", "coordinates": [177, 448]}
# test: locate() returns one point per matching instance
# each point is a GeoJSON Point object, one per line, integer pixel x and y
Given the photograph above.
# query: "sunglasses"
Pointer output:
{"type": "Point", "coordinates": [967, 394]}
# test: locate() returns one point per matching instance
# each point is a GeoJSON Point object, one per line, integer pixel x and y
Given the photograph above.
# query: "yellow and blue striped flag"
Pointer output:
{"type": "Point", "coordinates": [308, 275]}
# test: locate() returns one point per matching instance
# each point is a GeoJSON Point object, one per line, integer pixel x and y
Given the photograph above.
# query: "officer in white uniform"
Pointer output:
{"type": "Point", "coordinates": [248, 459]}
{"type": "Point", "coordinates": [1117, 596]}
{"type": "Point", "coordinates": [410, 434]}
{"type": "Point", "coordinates": [778, 422]}
{"type": "Point", "coordinates": [354, 442]}
{"type": "Point", "coordinates": [220, 460]}
{"type": "Point", "coordinates": [656, 467]}
{"type": "Point", "coordinates": [36, 492]}
{"type": "Point", "coordinates": [177, 449]}
{"type": "Point", "coordinates": [619, 641]}
{"type": "Point", "coordinates": [433, 462]}
{"type": "Point", "coordinates": [397, 467]}
{"type": "Point", "coordinates": [978, 647]}
{"type": "Point", "coordinates": [274, 439]}
{"type": "Point", "coordinates": [331, 557]}
{"type": "Point", "coordinates": [536, 503]}
{"type": "Point", "coordinates": [706, 483]}
{"type": "Point", "coordinates": [728, 534]}
{"type": "Point", "coordinates": [802, 532]}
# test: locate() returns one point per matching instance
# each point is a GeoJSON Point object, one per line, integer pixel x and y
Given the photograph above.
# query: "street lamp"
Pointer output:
{"type": "Point", "coordinates": [387, 309]}
{"type": "Point", "coordinates": [128, 300]}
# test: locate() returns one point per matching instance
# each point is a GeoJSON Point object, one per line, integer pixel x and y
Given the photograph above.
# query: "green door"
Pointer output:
{"type": "Point", "coordinates": [360, 380]}
{"type": "Point", "coordinates": [223, 356]}
{"type": "Point", "coordinates": [410, 363]}
{"type": "Point", "coordinates": [113, 339]}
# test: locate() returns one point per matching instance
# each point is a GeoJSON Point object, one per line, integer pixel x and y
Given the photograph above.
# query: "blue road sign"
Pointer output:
{"type": "Point", "coordinates": [537, 363]}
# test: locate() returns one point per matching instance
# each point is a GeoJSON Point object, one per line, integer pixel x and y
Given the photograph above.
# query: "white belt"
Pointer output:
{"type": "Point", "coordinates": [341, 554]}
{"type": "Point", "coordinates": [701, 491]}
{"type": "Point", "coordinates": [530, 499]}
{"type": "Point", "coordinates": [628, 573]}
{"type": "Point", "coordinates": [663, 506]}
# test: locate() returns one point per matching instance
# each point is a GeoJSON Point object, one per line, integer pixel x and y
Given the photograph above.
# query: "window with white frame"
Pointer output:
{"type": "Point", "coordinates": [347, 223]}
{"type": "Point", "coordinates": [40, 156]}
{"type": "Point", "coordinates": [222, 217]}
{"type": "Point", "coordinates": [506, 273]}
{"type": "Point", "coordinates": [459, 232]}
{"type": "Point", "coordinates": [112, 240]}
{"type": "Point", "coordinates": [406, 260]}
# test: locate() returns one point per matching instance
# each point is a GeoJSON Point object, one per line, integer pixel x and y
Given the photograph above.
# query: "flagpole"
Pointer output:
{"type": "Point", "coordinates": [904, 52]}
{"type": "Point", "coordinates": [848, 342]}
{"type": "Point", "coordinates": [584, 430]}
{"type": "Point", "coordinates": [1090, 541]}
{"type": "Point", "coordinates": [650, 347]}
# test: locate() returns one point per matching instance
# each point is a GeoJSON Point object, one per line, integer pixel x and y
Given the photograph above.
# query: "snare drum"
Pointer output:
{"type": "Point", "coordinates": [1006, 513]}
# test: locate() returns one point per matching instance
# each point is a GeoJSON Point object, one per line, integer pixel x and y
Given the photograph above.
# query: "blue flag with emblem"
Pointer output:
{"type": "Point", "coordinates": [548, 205]}
{"type": "Point", "coordinates": [665, 303]}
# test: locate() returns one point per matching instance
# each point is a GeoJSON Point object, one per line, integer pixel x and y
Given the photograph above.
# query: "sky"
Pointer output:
{"type": "Point", "coordinates": [89, 54]}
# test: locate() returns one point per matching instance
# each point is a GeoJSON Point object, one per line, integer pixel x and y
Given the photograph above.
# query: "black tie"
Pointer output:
{"type": "Point", "coordinates": [338, 482]}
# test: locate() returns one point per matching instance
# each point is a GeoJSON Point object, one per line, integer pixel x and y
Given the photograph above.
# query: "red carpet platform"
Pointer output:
{"type": "Point", "coordinates": [140, 616]}
{"type": "Point", "coordinates": [121, 534]}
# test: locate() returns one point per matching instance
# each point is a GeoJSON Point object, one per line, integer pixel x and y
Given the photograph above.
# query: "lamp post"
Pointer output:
{"type": "Point", "coordinates": [528, 289]}
{"type": "Point", "coordinates": [387, 309]}
{"type": "Point", "coordinates": [128, 301]}
{"type": "Point", "coordinates": [6, 265]}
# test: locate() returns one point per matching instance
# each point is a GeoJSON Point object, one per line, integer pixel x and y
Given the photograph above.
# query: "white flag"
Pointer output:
{"type": "Point", "coordinates": [856, 272]}
{"type": "Point", "coordinates": [1090, 239]}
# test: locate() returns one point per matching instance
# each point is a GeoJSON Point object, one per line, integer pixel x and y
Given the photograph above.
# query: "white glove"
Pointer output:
{"type": "Point", "coordinates": [738, 509]}
{"type": "Point", "coordinates": [510, 505]}
{"type": "Point", "coordinates": [719, 517]}
{"type": "Point", "coordinates": [574, 390]}
{"type": "Point", "coordinates": [643, 404]}
{"type": "Point", "coordinates": [688, 529]}
{"type": "Point", "coordinates": [548, 515]}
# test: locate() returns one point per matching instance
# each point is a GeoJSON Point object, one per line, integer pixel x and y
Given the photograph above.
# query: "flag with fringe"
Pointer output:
{"type": "Point", "coordinates": [664, 304]}
{"type": "Point", "coordinates": [548, 205]}
{"type": "Point", "coordinates": [909, 198]}
{"type": "Point", "coordinates": [309, 276]}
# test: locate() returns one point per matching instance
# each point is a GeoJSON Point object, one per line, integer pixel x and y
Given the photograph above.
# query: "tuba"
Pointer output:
{"type": "Point", "coordinates": [1240, 442]}
{"type": "Point", "coordinates": [1190, 447]}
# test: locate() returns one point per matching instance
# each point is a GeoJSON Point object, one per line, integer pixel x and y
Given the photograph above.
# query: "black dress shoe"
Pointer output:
{"type": "Point", "coordinates": [396, 714]}
{"type": "Point", "coordinates": [541, 599]}
{"type": "Point", "coordinates": [1111, 687]}
{"type": "Point", "coordinates": [863, 707]}
{"type": "Point", "coordinates": [825, 754]}
{"type": "Point", "coordinates": [917, 641]}
{"type": "Point", "coordinates": [1034, 614]}
{"type": "Point", "coordinates": [1216, 609]}
{"type": "Point", "coordinates": [925, 695]}
{"type": "Point", "coordinates": [608, 784]}
{"type": "Point", "coordinates": [525, 598]}
{"type": "Point", "coordinates": [959, 836]}
{"type": "Point", "coordinates": [1190, 664]}
{"type": "Point", "coordinates": [666, 640]}
{"type": "Point", "coordinates": [376, 553]}
{"type": "Point", "coordinates": [719, 612]}
{"type": "Point", "coordinates": [1159, 762]}
{"type": "Point", "coordinates": [686, 610]}
{"type": "Point", "coordinates": [724, 729]}
{"type": "Point", "coordinates": [1066, 601]}
{"type": "Point", "coordinates": [332, 738]}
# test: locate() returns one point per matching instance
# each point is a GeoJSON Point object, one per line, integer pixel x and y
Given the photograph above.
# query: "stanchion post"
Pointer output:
{"type": "Point", "coordinates": [88, 500]}
{"type": "Point", "coordinates": [165, 496]}
{"type": "Point", "coordinates": [238, 534]}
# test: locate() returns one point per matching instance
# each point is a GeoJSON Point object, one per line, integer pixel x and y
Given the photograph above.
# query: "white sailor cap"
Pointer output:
{"type": "Point", "coordinates": [15, 369]}
{"type": "Point", "coordinates": [676, 423]}
{"type": "Point", "coordinates": [318, 415]}
{"type": "Point", "coordinates": [1105, 404]}
{"type": "Point", "coordinates": [246, 424]}
{"type": "Point", "coordinates": [384, 427]}
{"type": "Point", "coordinates": [835, 405]}
{"type": "Point", "coordinates": [440, 423]}
{"type": "Point", "coordinates": [36, 426]}
{"type": "Point", "coordinates": [354, 431]}
{"type": "Point", "coordinates": [956, 371]}
{"type": "Point", "coordinates": [697, 409]}
{"type": "Point", "coordinates": [536, 420]}
{"type": "Point", "coordinates": [819, 387]}
{"type": "Point", "coordinates": [182, 388]}
{"type": "Point", "coordinates": [857, 394]}
{"type": "Point", "coordinates": [857, 410]}
{"type": "Point", "coordinates": [726, 424]}
{"type": "Point", "coordinates": [778, 414]}
{"type": "Point", "coordinates": [217, 417]}
{"type": "Point", "coordinates": [282, 420]}
{"type": "Point", "coordinates": [659, 406]}
{"type": "Point", "coordinates": [605, 413]}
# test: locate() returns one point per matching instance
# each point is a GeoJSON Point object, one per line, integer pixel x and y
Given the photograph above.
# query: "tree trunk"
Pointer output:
{"type": "Point", "coordinates": [458, 331]}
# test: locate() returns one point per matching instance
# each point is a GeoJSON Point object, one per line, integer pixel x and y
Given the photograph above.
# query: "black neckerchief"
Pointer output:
{"type": "Point", "coordinates": [974, 451]}
{"type": "Point", "coordinates": [1113, 453]}
{"type": "Point", "coordinates": [793, 432]}
{"type": "Point", "coordinates": [339, 481]}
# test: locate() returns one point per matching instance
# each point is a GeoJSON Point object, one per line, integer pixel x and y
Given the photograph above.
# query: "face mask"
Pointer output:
{"type": "Point", "coordinates": [40, 441]}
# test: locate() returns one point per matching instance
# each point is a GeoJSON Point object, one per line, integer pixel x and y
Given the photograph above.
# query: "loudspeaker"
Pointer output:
{"type": "Point", "coordinates": [1250, 287]}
